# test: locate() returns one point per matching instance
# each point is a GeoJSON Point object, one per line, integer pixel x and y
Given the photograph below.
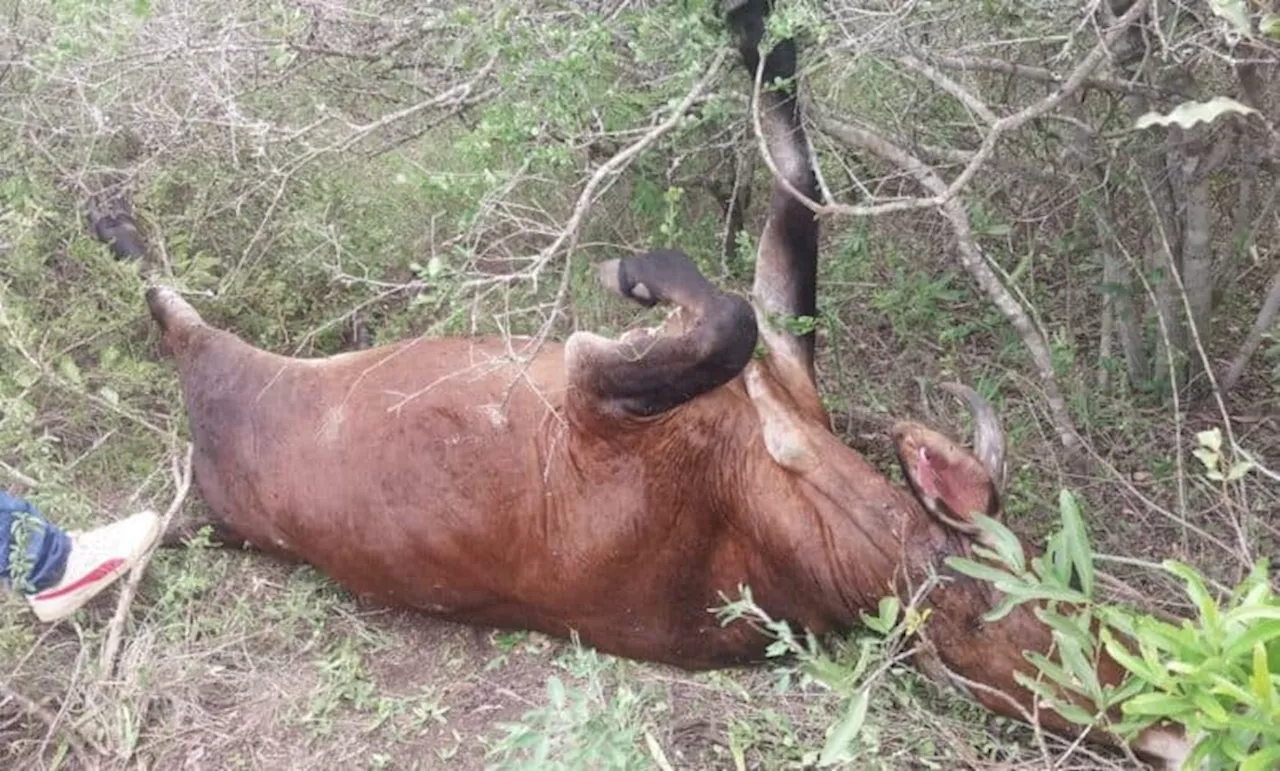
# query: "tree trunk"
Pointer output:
{"type": "Point", "coordinates": [1163, 259]}
{"type": "Point", "coordinates": [1197, 262]}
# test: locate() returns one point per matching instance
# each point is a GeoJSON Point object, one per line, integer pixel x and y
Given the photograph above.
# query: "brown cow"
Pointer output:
{"type": "Point", "coordinates": [619, 488]}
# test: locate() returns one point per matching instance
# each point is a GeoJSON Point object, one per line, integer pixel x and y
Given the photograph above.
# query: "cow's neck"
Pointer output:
{"type": "Point", "coordinates": [838, 538]}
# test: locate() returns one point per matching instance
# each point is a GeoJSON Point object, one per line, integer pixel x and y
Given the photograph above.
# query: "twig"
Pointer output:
{"type": "Point", "coordinates": [975, 264]}
{"type": "Point", "coordinates": [962, 94]}
{"type": "Point", "coordinates": [22, 478]}
{"type": "Point", "coordinates": [611, 167]}
{"type": "Point", "coordinates": [1270, 307]}
{"type": "Point", "coordinates": [1246, 553]}
{"type": "Point", "coordinates": [79, 743]}
{"type": "Point", "coordinates": [979, 64]}
{"type": "Point", "coordinates": [459, 93]}
{"type": "Point", "coordinates": [110, 648]}
{"type": "Point", "coordinates": [1072, 84]}
{"type": "Point", "coordinates": [377, 298]}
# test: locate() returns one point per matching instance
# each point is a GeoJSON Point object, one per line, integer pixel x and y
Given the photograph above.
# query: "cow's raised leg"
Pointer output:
{"type": "Point", "coordinates": [786, 269]}
{"type": "Point", "coordinates": [648, 372]}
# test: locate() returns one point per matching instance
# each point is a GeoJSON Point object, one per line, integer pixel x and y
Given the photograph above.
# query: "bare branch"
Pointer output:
{"type": "Point", "coordinates": [111, 646]}
{"type": "Point", "coordinates": [1043, 75]}
{"type": "Point", "coordinates": [1071, 85]}
{"type": "Point", "coordinates": [1266, 317]}
{"type": "Point", "coordinates": [610, 168]}
{"type": "Point", "coordinates": [80, 743]}
{"type": "Point", "coordinates": [962, 94]}
{"type": "Point", "coordinates": [973, 261]}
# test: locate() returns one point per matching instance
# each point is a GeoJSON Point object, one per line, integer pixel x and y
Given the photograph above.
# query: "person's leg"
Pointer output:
{"type": "Point", "coordinates": [64, 570]}
{"type": "Point", "coordinates": [33, 551]}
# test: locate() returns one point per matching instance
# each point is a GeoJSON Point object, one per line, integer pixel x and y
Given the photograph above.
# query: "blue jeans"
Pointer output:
{"type": "Point", "coordinates": [30, 546]}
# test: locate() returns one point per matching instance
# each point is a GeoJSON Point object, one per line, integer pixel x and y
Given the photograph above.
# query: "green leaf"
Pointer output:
{"type": "Point", "coordinates": [1211, 708]}
{"type": "Point", "coordinates": [555, 692]}
{"type": "Point", "coordinates": [1007, 544]}
{"type": "Point", "coordinates": [1247, 614]}
{"type": "Point", "coordinates": [1158, 704]}
{"type": "Point", "coordinates": [884, 621]}
{"type": "Point", "coordinates": [1046, 694]}
{"type": "Point", "coordinates": [979, 570]}
{"type": "Point", "coordinates": [1003, 608]}
{"type": "Point", "coordinates": [1205, 748]}
{"type": "Point", "coordinates": [1075, 627]}
{"type": "Point", "coordinates": [1073, 712]}
{"type": "Point", "coordinates": [1269, 25]}
{"type": "Point", "coordinates": [1260, 682]}
{"type": "Point", "coordinates": [1189, 114]}
{"type": "Point", "coordinates": [69, 370]}
{"type": "Point", "coordinates": [1236, 12]}
{"type": "Point", "coordinates": [1037, 686]}
{"type": "Point", "coordinates": [1238, 645]}
{"type": "Point", "coordinates": [1132, 687]}
{"type": "Point", "coordinates": [1262, 760]}
{"type": "Point", "coordinates": [1224, 687]}
{"type": "Point", "coordinates": [1051, 670]}
{"type": "Point", "coordinates": [1059, 593]}
{"type": "Point", "coordinates": [1076, 540]}
{"type": "Point", "coordinates": [1199, 594]}
{"type": "Point", "coordinates": [1154, 633]}
{"type": "Point", "coordinates": [1084, 676]}
{"type": "Point", "coordinates": [844, 732]}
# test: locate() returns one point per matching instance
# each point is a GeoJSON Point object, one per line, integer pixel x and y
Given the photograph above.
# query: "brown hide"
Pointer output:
{"type": "Point", "coordinates": [621, 488]}
{"type": "Point", "coordinates": [437, 475]}
{"type": "Point", "coordinates": [441, 475]}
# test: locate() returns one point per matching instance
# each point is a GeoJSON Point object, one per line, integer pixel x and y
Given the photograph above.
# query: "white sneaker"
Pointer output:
{"type": "Point", "coordinates": [97, 558]}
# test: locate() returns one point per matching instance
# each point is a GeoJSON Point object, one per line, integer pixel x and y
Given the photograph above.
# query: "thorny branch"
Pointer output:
{"type": "Point", "coordinates": [974, 262]}
{"type": "Point", "coordinates": [458, 95]}
{"type": "Point", "coordinates": [1077, 80]}
{"type": "Point", "coordinates": [944, 195]}
{"type": "Point", "coordinates": [111, 646]}
{"type": "Point", "coordinates": [80, 743]}
{"type": "Point", "coordinates": [1041, 74]}
{"type": "Point", "coordinates": [609, 171]}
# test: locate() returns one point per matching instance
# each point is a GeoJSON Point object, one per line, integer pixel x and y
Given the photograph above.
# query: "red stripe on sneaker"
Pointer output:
{"type": "Point", "coordinates": [97, 574]}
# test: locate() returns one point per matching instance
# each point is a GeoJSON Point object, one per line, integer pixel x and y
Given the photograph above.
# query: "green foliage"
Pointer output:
{"type": "Point", "coordinates": [849, 676]}
{"type": "Point", "coordinates": [1218, 675]}
{"type": "Point", "coordinates": [916, 302]}
{"type": "Point", "coordinates": [601, 721]}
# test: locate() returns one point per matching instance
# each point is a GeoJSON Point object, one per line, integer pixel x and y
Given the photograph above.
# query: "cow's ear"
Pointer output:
{"type": "Point", "coordinates": [951, 482]}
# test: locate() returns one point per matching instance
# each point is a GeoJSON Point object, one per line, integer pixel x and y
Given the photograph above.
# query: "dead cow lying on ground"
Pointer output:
{"type": "Point", "coordinates": [619, 488]}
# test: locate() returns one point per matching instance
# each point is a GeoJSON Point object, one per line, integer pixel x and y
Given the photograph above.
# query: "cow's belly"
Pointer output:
{"type": "Point", "coordinates": [454, 490]}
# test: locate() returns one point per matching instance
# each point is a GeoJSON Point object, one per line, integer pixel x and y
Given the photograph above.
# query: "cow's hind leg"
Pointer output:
{"type": "Point", "coordinates": [644, 374]}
